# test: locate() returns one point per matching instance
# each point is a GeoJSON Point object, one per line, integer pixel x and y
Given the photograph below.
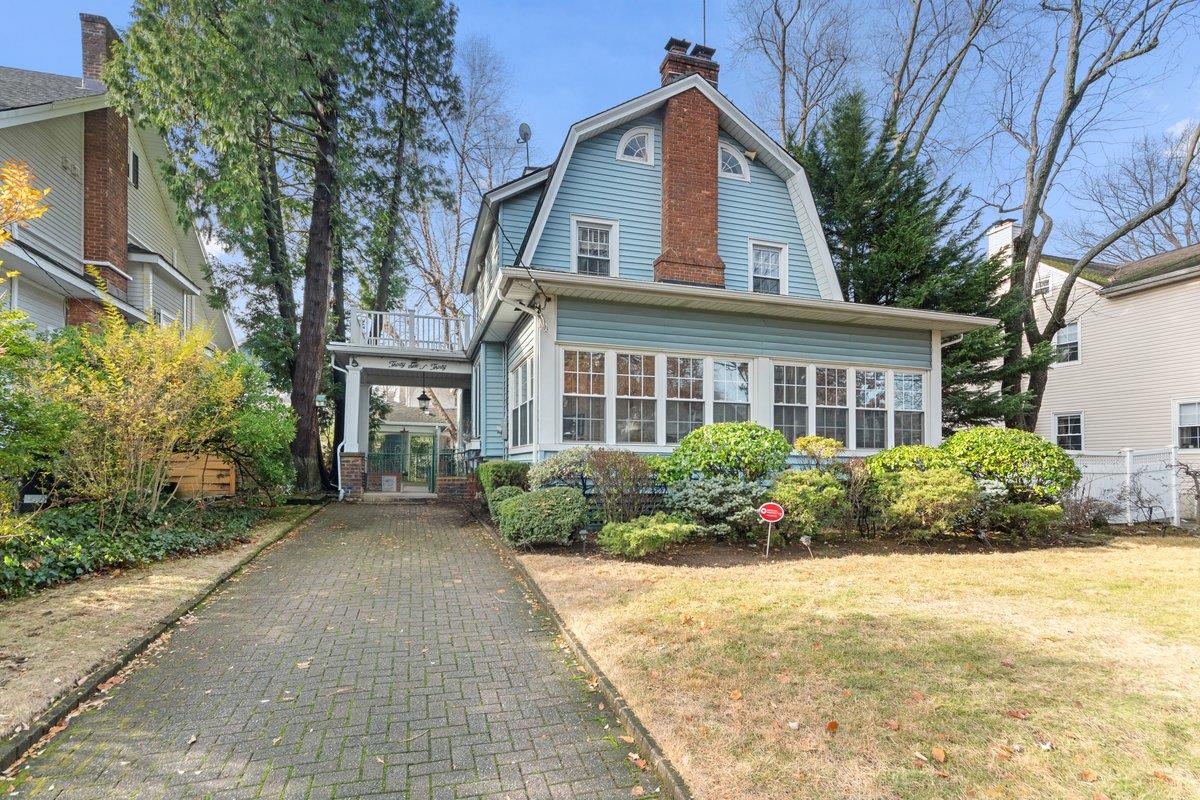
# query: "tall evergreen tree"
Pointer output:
{"type": "Point", "coordinates": [899, 237]}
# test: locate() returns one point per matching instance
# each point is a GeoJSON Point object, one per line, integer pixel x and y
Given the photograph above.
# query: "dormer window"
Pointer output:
{"type": "Point", "coordinates": [732, 164]}
{"type": "Point", "coordinates": [637, 145]}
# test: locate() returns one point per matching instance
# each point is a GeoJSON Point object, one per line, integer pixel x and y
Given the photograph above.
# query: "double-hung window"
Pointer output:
{"type": "Point", "coordinates": [909, 403]}
{"type": "Point", "coordinates": [583, 396]}
{"type": "Point", "coordinates": [685, 397]}
{"type": "Point", "coordinates": [870, 416]}
{"type": "Point", "coordinates": [1189, 425]}
{"type": "Point", "coordinates": [833, 416]}
{"type": "Point", "coordinates": [520, 403]}
{"type": "Point", "coordinates": [594, 247]}
{"type": "Point", "coordinates": [731, 391]}
{"type": "Point", "coordinates": [636, 404]}
{"type": "Point", "coordinates": [767, 263]}
{"type": "Point", "coordinates": [1068, 431]}
{"type": "Point", "coordinates": [791, 401]}
{"type": "Point", "coordinates": [1066, 343]}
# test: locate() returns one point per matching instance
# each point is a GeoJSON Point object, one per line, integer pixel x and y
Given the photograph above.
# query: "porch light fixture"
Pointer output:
{"type": "Point", "coordinates": [423, 402]}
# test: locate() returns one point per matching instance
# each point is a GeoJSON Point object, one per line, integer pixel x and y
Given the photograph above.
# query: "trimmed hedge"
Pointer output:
{"type": "Point", "coordinates": [642, 536]}
{"type": "Point", "coordinates": [933, 501]}
{"type": "Point", "coordinates": [809, 498]}
{"type": "Point", "coordinates": [1030, 467]}
{"type": "Point", "coordinates": [743, 450]}
{"type": "Point", "coordinates": [910, 457]}
{"type": "Point", "coordinates": [502, 493]}
{"type": "Point", "coordinates": [494, 474]}
{"type": "Point", "coordinates": [543, 516]}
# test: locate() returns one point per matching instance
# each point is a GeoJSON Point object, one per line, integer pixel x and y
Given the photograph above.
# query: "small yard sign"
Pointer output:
{"type": "Point", "coordinates": [770, 513]}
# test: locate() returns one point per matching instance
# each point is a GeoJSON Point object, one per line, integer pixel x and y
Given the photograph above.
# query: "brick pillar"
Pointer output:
{"type": "Point", "coordinates": [105, 165]}
{"type": "Point", "coordinates": [354, 475]}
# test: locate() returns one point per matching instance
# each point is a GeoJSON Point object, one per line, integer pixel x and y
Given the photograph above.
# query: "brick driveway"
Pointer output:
{"type": "Point", "coordinates": [383, 651]}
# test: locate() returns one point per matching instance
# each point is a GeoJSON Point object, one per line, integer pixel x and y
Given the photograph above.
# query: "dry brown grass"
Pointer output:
{"type": "Point", "coordinates": [1063, 673]}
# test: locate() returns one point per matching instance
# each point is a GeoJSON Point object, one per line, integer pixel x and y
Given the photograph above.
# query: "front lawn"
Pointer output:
{"type": "Point", "coordinates": [1049, 673]}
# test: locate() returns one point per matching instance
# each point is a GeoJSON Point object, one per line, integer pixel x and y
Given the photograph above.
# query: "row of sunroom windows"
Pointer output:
{"type": "Point", "coordinates": [659, 399]}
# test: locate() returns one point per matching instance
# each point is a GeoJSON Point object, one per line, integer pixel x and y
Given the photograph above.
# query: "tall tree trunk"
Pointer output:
{"type": "Point", "coordinates": [310, 350]}
{"type": "Point", "coordinates": [387, 259]}
{"type": "Point", "coordinates": [339, 312]}
{"type": "Point", "coordinates": [280, 273]}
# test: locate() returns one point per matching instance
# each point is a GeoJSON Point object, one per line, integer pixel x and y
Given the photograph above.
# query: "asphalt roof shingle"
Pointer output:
{"type": "Point", "coordinates": [22, 88]}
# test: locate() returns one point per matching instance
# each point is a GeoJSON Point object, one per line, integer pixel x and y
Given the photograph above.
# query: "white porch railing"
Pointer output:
{"type": "Point", "coordinates": [409, 330]}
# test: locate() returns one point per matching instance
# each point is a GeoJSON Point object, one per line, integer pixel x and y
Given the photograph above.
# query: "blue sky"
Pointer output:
{"type": "Point", "coordinates": [569, 60]}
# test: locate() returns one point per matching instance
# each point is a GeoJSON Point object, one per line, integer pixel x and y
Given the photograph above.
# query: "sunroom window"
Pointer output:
{"type": "Point", "coordinates": [731, 391]}
{"type": "Point", "coordinates": [765, 263]}
{"type": "Point", "coordinates": [635, 406]}
{"type": "Point", "coordinates": [870, 416]}
{"type": "Point", "coordinates": [583, 396]}
{"type": "Point", "coordinates": [685, 397]}
{"type": "Point", "coordinates": [521, 404]}
{"type": "Point", "coordinates": [909, 402]}
{"type": "Point", "coordinates": [833, 416]}
{"type": "Point", "coordinates": [791, 401]}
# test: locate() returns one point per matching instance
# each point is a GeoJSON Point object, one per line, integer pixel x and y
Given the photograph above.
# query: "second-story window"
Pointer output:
{"type": "Point", "coordinates": [766, 268]}
{"type": "Point", "coordinates": [1041, 285]}
{"type": "Point", "coordinates": [637, 145]}
{"type": "Point", "coordinates": [594, 248]}
{"type": "Point", "coordinates": [1066, 343]}
{"type": "Point", "coordinates": [732, 164]}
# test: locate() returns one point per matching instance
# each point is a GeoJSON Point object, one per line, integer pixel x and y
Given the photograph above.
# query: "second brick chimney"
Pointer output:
{"type": "Point", "coordinates": [689, 173]}
{"type": "Point", "coordinates": [105, 165]}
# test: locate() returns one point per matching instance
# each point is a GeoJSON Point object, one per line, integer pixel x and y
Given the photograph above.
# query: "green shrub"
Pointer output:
{"type": "Point", "coordinates": [821, 451]}
{"type": "Point", "coordinates": [930, 501]}
{"type": "Point", "coordinates": [721, 506]}
{"type": "Point", "coordinates": [910, 457]}
{"type": "Point", "coordinates": [502, 493]}
{"type": "Point", "coordinates": [623, 483]}
{"type": "Point", "coordinates": [543, 516]}
{"type": "Point", "coordinates": [1030, 467]}
{"type": "Point", "coordinates": [743, 450]}
{"type": "Point", "coordinates": [809, 498]}
{"type": "Point", "coordinates": [642, 536]}
{"type": "Point", "coordinates": [62, 544]}
{"type": "Point", "coordinates": [564, 467]}
{"type": "Point", "coordinates": [494, 474]}
{"type": "Point", "coordinates": [1026, 520]}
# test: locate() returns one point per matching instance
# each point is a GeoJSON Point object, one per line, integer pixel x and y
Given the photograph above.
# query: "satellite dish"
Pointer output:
{"type": "Point", "coordinates": [524, 133]}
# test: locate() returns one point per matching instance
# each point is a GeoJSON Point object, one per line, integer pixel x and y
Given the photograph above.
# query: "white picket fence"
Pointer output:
{"type": "Point", "coordinates": [1144, 484]}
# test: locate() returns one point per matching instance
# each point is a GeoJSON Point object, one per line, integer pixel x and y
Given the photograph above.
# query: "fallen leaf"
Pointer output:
{"type": "Point", "coordinates": [782, 678]}
{"type": "Point", "coordinates": [1162, 776]}
{"type": "Point", "coordinates": [794, 725]}
{"type": "Point", "coordinates": [637, 791]}
{"type": "Point", "coordinates": [891, 724]}
{"type": "Point", "coordinates": [736, 694]}
{"type": "Point", "coordinates": [941, 773]}
{"type": "Point", "coordinates": [193, 739]}
{"type": "Point", "coordinates": [847, 693]}
{"type": "Point", "coordinates": [1018, 713]}
{"type": "Point", "coordinates": [1003, 751]}
{"type": "Point", "coordinates": [831, 726]}
{"type": "Point", "coordinates": [380, 760]}
{"type": "Point", "coordinates": [917, 697]}
{"type": "Point", "coordinates": [1099, 796]}
{"type": "Point", "coordinates": [627, 739]}
{"type": "Point", "coordinates": [939, 755]}
{"type": "Point", "coordinates": [1087, 776]}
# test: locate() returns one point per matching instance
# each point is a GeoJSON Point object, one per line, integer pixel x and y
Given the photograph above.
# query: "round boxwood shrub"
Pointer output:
{"type": "Point", "coordinates": [494, 474]}
{"type": "Point", "coordinates": [564, 467]}
{"type": "Point", "coordinates": [743, 450]}
{"type": "Point", "coordinates": [809, 498]}
{"type": "Point", "coordinates": [1030, 467]}
{"type": "Point", "coordinates": [543, 516]}
{"type": "Point", "coordinates": [910, 457]}
{"type": "Point", "coordinates": [642, 536]}
{"type": "Point", "coordinates": [929, 501]}
{"type": "Point", "coordinates": [502, 493]}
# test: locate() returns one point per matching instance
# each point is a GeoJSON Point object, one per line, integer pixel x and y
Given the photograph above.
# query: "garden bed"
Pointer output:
{"type": "Point", "coordinates": [53, 641]}
{"type": "Point", "coordinates": [950, 669]}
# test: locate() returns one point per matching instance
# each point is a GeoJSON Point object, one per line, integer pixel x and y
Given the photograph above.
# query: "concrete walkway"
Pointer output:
{"type": "Point", "coordinates": [385, 651]}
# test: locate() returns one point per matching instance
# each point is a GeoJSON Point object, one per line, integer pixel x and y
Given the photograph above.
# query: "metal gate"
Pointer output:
{"type": "Point", "coordinates": [411, 467]}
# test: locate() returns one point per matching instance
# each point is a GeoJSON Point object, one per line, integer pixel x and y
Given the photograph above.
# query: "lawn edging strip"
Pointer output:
{"type": "Point", "coordinates": [13, 749]}
{"type": "Point", "coordinates": [672, 782]}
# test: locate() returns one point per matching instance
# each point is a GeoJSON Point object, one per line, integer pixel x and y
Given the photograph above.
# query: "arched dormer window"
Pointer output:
{"type": "Point", "coordinates": [732, 164]}
{"type": "Point", "coordinates": [637, 145]}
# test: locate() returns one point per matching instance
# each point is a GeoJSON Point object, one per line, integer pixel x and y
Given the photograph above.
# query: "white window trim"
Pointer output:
{"type": "Point", "coordinates": [614, 242]}
{"type": "Point", "coordinates": [1078, 323]}
{"type": "Point", "coordinates": [610, 403]}
{"type": "Point", "coordinates": [515, 402]}
{"type": "Point", "coordinates": [741, 158]}
{"type": "Point", "coordinates": [1176, 407]}
{"type": "Point", "coordinates": [629, 134]}
{"type": "Point", "coordinates": [783, 264]}
{"type": "Point", "coordinates": [1082, 430]}
{"type": "Point", "coordinates": [660, 387]}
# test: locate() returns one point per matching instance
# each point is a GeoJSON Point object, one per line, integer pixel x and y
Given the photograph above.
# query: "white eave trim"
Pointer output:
{"type": "Point", "coordinates": [165, 266]}
{"type": "Point", "coordinates": [735, 301]}
{"type": "Point", "coordinates": [59, 108]}
{"type": "Point", "coordinates": [771, 152]}
{"type": "Point", "coordinates": [487, 217]}
{"type": "Point", "coordinates": [1149, 283]}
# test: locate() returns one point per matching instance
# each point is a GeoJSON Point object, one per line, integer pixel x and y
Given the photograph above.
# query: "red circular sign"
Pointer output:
{"type": "Point", "coordinates": [770, 512]}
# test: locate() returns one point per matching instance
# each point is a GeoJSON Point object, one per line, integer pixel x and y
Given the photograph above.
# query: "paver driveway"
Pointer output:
{"type": "Point", "coordinates": [382, 651]}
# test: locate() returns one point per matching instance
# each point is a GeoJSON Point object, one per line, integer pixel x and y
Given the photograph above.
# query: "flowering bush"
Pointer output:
{"type": "Point", "coordinates": [743, 450]}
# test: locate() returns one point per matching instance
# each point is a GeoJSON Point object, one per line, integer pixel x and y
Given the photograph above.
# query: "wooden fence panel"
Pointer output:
{"type": "Point", "coordinates": [203, 476]}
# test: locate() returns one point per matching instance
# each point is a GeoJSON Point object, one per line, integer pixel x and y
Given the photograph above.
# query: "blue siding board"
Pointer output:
{"type": "Point", "coordinates": [662, 328]}
{"type": "Point", "coordinates": [595, 184]}
{"type": "Point", "coordinates": [493, 400]}
{"type": "Point", "coordinates": [515, 214]}
{"type": "Point", "coordinates": [760, 209]}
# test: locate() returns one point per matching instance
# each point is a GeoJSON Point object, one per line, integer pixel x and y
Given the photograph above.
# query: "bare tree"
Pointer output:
{"type": "Point", "coordinates": [807, 46]}
{"type": "Point", "coordinates": [1136, 182]}
{"type": "Point", "coordinates": [1047, 118]}
{"type": "Point", "coordinates": [933, 41]}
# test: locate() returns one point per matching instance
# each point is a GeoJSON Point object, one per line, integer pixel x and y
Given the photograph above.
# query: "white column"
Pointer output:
{"type": "Point", "coordinates": [350, 410]}
{"type": "Point", "coordinates": [762, 392]}
{"type": "Point", "coordinates": [934, 433]}
{"type": "Point", "coordinates": [364, 420]}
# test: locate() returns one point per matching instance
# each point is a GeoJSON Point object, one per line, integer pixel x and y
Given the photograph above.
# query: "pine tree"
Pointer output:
{"type": "Point", "coordinates": [899, 237]}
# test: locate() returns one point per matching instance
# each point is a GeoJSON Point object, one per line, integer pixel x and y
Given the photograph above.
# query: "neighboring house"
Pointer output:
{"type": "Point", "coordinates": [666, 271]}
{"type": "Point", "coordinates": [1128, 374]}
{"type": "Point", "coordinates": [108, 207]}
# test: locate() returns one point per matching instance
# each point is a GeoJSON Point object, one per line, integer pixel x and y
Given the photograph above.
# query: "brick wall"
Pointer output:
{"type": "Point", "coordinates": [83, 312]}
{"type": "Point", "coordinates": [455, 488]}
{"type": "Point", "coordinates": [354, 474]}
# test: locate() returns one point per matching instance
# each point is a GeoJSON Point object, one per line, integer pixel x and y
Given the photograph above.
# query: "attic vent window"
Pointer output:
{"type": "Point", "coordinates": [732, 164]}
{"type": "Point", "coordinates": [637, 146]}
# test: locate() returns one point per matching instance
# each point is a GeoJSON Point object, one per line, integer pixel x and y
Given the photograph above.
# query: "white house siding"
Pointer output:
{"type": "Point", "coordinates": [168, 297]}
{"type": "Point", "coordinates": [46, 308]}
{"type": "Point", "coordinates": [54, 151]}
{"type": "Point", "coordinates": [150, 223]}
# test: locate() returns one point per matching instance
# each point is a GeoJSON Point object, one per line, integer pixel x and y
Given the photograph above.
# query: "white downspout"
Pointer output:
{"type": "Point", "coordinates": [337, 453]}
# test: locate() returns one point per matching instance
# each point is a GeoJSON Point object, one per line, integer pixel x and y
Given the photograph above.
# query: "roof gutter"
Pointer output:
{"type": "Point", "coordinates": [1149, 283]}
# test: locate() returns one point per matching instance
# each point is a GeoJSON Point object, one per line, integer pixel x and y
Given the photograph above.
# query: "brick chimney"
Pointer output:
{"type": "Point", "coordinates": [105, 165]}
{"type": "Point", "coordinates": [689, 173]}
